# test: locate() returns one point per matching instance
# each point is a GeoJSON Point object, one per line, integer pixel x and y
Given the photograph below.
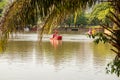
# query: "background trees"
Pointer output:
{"type": "Point", "coordinates": [100, 11]}
{"type": "Point", "coordinates": [2, 5]}
{"type": "Point", "coordinates": [24, 12]}
{"type": "Point", "coordinates": [81, 20]}
{"type": "Point", "coordinates": [96, 16]}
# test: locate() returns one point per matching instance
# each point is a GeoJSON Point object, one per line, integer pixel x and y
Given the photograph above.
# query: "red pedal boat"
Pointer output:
{"type": "Point", "coordinates": [56, 41]}
{"type": "Point", "coordinates": [56, 38]}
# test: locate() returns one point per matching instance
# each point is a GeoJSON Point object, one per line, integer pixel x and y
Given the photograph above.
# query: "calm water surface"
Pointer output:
{"type": "Point", "coordinates": [75, 58]}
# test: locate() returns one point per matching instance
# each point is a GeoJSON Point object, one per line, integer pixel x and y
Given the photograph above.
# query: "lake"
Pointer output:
{"type": "Point", "coordinates": [76, 57]}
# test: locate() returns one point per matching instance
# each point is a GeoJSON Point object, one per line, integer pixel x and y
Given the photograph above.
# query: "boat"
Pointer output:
{"type": "Point", "coordinates": [56, 41]}
{"type": "Point", "coordinates": [56, 38]}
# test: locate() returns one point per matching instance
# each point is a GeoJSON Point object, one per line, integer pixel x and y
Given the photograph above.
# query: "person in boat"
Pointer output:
{"type": "Point", "coordinates": [55, 35]}
{"type": "Point", "coordinates": [90, 32]}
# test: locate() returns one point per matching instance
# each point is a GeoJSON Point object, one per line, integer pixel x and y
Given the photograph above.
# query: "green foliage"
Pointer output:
{"type": "Point", "coordinates": [69, 20]}
{"type": "Point", "coordinates": [114, 67]}
{"type": "Point", "coordinates": [94, 21]}
{"type": "Point", "coordinates": [99, 37]}
{"type": "Point", "coordinates": [81, 19]}
{"type": "Point", "coordinates": [51, 12]}
{"type": "Point", "coordinates": [100, 11]}
{"type": "Point", "coordinates": [2, 5]}
{"type": "Point", "coordinates": [113, 38]}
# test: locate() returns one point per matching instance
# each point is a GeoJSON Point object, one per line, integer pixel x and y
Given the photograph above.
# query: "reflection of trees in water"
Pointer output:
{"type": "Point", "coordinates": [102, 53]}
{"type": "Point", "coordinates": [21, 50]}
{"type": "Point", "coordinates": [63, 53]}
{"type": "Point", "coordinates": [83, 53]}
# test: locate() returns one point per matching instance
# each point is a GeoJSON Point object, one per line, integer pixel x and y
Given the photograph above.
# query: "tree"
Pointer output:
{"type": "Point", "coordinates": [100, 11]}
{"type": "Point", "coordinates": [114, 37]}
{"type": "Point", "coordinates": [2, 5]}
{"type": "Point", "coordinates": [81, 19]}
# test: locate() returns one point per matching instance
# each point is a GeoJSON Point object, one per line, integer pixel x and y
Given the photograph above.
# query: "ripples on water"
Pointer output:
{"type": "Point", "coordinates": [75, 58]}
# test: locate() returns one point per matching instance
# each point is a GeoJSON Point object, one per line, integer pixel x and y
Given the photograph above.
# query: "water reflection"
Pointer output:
{"type": "Point", "coordinates": [28, 60]}
{"type": "Point", "coordinates": [102, 54]}
{"type": "Point", "coordinates": [56, 43]}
